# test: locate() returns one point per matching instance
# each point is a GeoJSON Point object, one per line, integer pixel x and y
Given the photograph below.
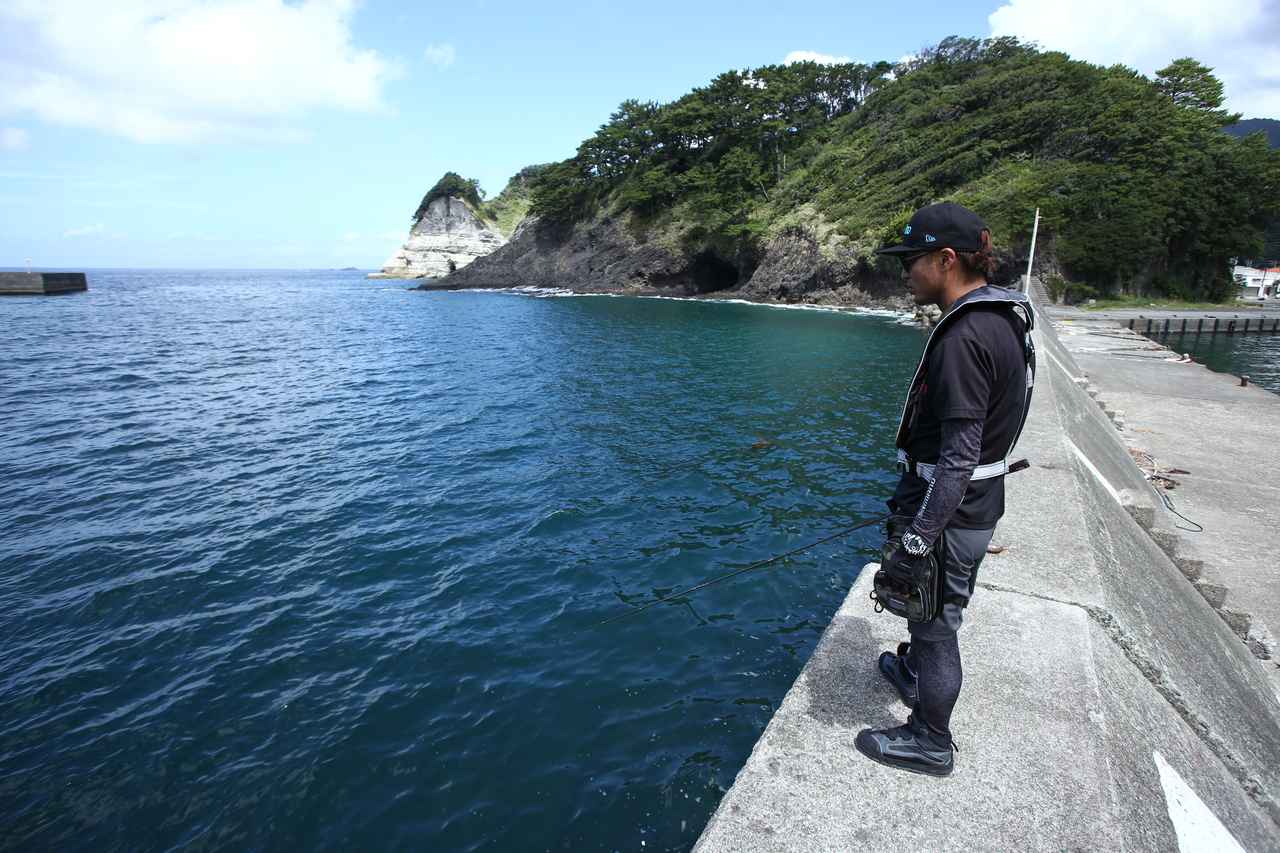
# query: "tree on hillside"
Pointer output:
{"type": "Point", "coordinates": [1139, 185]}
{"type": "Point", "coordinates": [1193, 86]}
{"type": "Point", "coordinates": [720, 148]}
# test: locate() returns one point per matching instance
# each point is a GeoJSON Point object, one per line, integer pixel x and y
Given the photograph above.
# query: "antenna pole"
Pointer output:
{"type": "Point", "coordinates": [1026, 283]}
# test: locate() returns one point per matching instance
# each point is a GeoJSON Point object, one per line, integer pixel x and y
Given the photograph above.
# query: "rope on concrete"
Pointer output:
{"type": "Point", "coordinates": [1162, 482]}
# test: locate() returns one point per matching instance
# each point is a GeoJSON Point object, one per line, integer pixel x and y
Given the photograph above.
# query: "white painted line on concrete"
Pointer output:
{"type": "Point", "coordinates": [1057, 363]}
{"type": "Point", "coordinates": [1198, 829]}
{"type": "Point", "coordinates": [1084, 460]}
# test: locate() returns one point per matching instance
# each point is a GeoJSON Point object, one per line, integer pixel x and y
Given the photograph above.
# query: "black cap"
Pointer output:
{"type": "Point", "coordinates": [940, 226]}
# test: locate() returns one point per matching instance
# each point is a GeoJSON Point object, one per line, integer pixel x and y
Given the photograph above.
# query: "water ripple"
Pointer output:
{"type": "Point", "coordinates": [293, 560]}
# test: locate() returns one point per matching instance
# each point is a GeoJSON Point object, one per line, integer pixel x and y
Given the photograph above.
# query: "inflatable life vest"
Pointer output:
{"type": "Point", "coordinates": [986, 295]}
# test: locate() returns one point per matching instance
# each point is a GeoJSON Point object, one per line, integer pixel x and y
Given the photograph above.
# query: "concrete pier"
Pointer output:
{"type": "Point", "coordinates": [39, 283]}
{"type": "Point", "coordinates": [1207, 324]}
{"type": "Point", "coordinates": [1242, 318]}
{"type": "Point", "coordinates": [1107, 704]}
{"type": "Point", "coordinates": [1212, 440]}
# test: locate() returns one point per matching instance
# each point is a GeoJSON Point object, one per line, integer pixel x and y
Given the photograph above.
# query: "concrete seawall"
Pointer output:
{"type": "Point", "coordinates": [1209, 441]}
{"type": "Point", "coordinates": [1106, 705]}
{"type": "Point", "coordinates": [41, 283]}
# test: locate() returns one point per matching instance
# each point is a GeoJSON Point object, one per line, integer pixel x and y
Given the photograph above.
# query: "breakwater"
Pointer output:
{"type": "Point", "coordinates": [1205, 324]}
{"type": "Point", "coordinates": [1108, 704]}
{"type": "Point", "coordinates": [1204, 439]}
{"type": "Point", "coordinates": [41, 283]}
{"type": "Point", "coordinates": [1243, 344]}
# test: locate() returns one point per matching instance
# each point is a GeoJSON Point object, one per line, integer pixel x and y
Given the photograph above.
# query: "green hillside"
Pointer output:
{"type": "Point", "coordinates": [507, 208]}
{"type": "Point", "coordinates": [1140, 190]}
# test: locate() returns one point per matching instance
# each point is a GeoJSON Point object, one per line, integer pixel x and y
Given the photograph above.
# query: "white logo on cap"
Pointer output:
{"type": "Point", "coordinates": [929, 238]}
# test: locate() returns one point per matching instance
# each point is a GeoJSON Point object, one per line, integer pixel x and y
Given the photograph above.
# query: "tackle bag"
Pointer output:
{"type": "Point", "coordinates": [907, 586]}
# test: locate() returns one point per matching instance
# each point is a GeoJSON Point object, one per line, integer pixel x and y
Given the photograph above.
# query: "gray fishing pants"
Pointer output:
{"type": "Point", "coordinates": [962, 554]}
{"type": "Point", "coordinates": [934, 652]}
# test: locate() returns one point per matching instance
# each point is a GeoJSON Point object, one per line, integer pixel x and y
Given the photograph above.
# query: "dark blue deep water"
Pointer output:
{"type": "Point", "coordinates": [296, 560]}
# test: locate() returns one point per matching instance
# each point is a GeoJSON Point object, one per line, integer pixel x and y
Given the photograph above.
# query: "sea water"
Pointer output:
{"type": "Point", "coordinates": [293, 560]}
{"type": "Point", "coordinates": [1256, 355]}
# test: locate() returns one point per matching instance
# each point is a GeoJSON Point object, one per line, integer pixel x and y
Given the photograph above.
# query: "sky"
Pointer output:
{"type": "Point", "coordinates": [272, 134]}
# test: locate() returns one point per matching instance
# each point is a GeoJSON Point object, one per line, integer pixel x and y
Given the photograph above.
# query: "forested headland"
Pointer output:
{"type": "Point", "coordinates": [1140, 190]}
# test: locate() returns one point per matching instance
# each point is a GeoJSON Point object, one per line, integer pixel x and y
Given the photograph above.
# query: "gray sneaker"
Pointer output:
{"type": "Point", "coordinates": [910, 747]}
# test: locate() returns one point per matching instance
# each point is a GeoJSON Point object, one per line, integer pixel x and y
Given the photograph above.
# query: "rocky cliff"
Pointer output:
{"type": "Point", "coordinates": [448, 235]}
{"type": "Point", "coordinates": [611, 255]}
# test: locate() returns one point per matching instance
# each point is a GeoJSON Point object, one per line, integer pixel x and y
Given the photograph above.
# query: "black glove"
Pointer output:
{"type": "Point", "coordinates": [900, 534]}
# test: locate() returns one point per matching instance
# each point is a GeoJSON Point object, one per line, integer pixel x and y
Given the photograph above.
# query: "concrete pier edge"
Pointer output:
{"type": "Point", "coordinates": [1107, 705]}
{"type": "Point", "coordinates": [41, 283]}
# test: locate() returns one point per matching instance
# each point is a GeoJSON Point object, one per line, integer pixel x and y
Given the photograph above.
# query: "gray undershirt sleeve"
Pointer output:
{"type": "Point", "coordinates": [961, 449]}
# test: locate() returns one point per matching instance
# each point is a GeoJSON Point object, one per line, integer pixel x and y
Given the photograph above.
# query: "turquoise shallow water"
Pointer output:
{"type": "Point", "coordinates": [297, 560]}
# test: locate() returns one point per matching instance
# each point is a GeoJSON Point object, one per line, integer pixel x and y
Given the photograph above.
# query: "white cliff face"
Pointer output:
{"type": "Point", "coordinates": [449, 232]}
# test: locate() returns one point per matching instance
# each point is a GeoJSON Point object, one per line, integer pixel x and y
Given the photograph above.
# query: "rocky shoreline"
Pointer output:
{"type": "Point", "coordinates": [832, 301]}
{"type": "Point", "coordinates": [610, 256]}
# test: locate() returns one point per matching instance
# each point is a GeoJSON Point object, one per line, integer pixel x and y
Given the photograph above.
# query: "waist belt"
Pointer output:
{"type": "Point", "coordinates": [924, 470]}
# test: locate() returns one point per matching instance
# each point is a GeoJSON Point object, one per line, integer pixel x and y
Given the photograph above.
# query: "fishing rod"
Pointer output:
{"type": "Point", "coordinates": [733, 574]}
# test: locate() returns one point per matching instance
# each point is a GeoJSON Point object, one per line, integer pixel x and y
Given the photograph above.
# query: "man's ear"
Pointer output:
{"type": "Point", "coordinates": [948, 258]}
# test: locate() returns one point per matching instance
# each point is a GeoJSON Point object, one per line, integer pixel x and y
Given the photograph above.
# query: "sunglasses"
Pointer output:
{"type": "Point", "coordinates": [909, 260]}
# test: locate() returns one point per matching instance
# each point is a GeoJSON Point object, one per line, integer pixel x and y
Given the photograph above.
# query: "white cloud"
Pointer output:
{"type": "Point", "coordinates": [96, 230]}
{"type": "Point", "coordinates": [14, 139]}
{"type": "Point", "coordinates": [184, 70]}
{"type": "Point", "coordinates": [440, 55]}
{"type": "Point", "coordinates": [814, 56]}
{"type": "Point", "coordinates": [1239, 39]}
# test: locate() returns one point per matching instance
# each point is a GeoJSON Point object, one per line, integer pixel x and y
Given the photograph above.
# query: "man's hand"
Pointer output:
{"type": "Point", "coordinates": [914, 544]}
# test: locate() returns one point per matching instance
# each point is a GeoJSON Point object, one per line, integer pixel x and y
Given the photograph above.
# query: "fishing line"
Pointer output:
{"type": "Point", "coordinates": [675, 597]}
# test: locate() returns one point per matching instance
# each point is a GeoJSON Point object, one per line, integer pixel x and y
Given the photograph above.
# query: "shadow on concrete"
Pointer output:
{"type": "Point", "coordinates": [845, 688]}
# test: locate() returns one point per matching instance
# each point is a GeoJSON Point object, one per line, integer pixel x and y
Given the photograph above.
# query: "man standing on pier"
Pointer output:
{"type": "Point", "coordinates": [964, 411]}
